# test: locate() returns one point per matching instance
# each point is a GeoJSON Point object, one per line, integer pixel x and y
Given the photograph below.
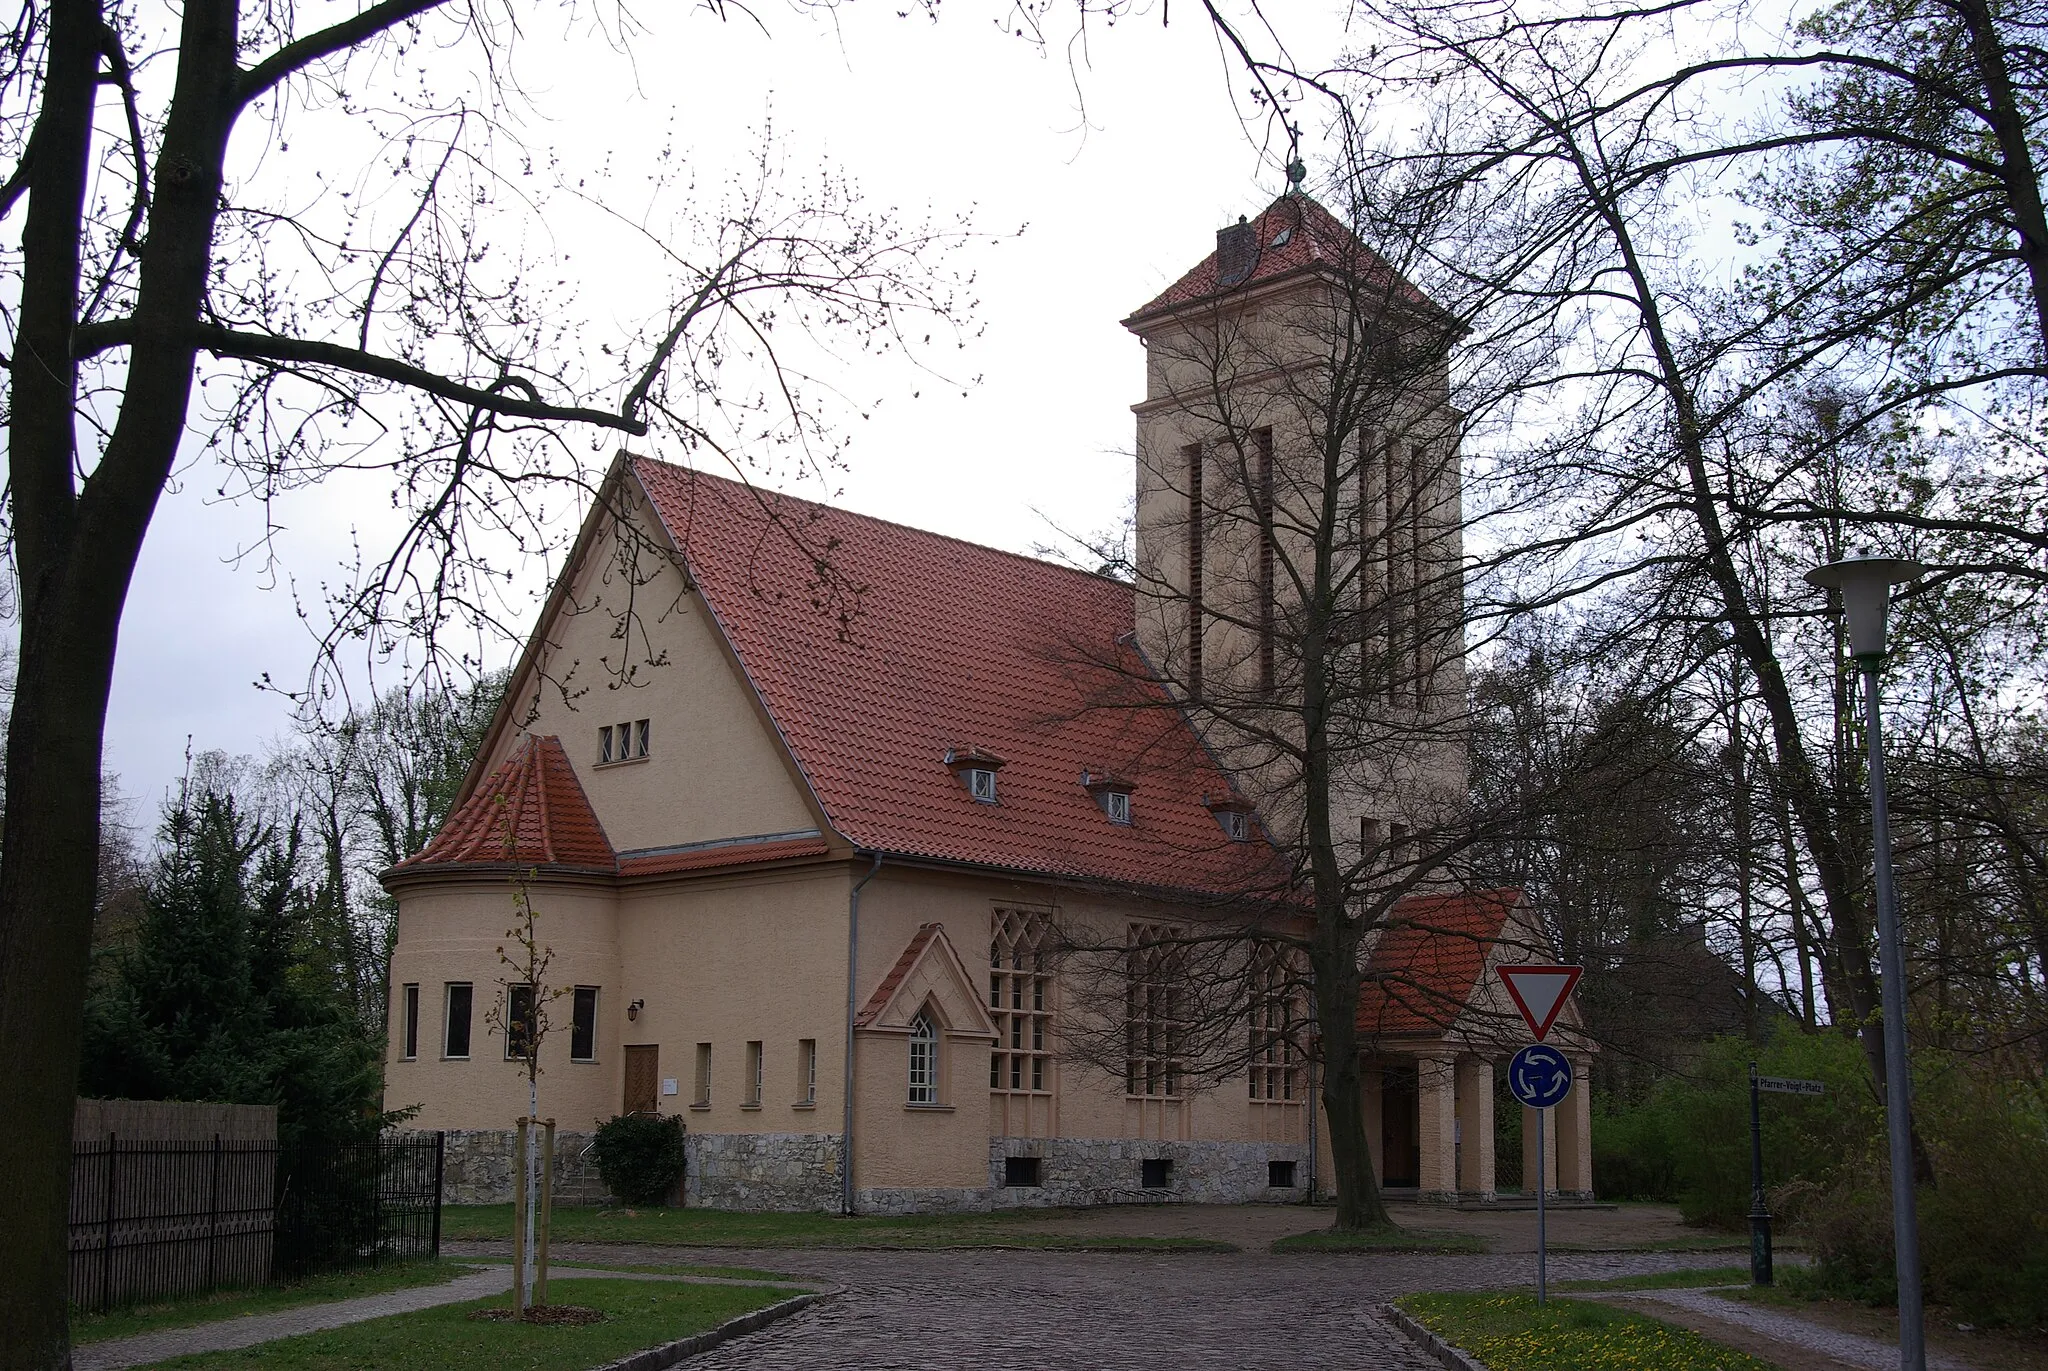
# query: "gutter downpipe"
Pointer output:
{"type": "Point", "coordinates": [852, 989]}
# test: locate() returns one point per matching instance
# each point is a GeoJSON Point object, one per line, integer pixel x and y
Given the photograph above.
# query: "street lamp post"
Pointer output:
{"type": "Point", "coordinates": [1865, 583]}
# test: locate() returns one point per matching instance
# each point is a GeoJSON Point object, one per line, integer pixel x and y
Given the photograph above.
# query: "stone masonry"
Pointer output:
{"type": "Point", "coordinates": [1087, 1171]}
{"type": "Point", "coordinates": [478, 1168]}
{"type": "Point", "coordinates": [762, 1171]}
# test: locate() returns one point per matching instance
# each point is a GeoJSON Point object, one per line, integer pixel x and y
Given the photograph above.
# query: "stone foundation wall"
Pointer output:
{"type": "Point", "coordinates": [477, 1168]}
{"type": "Point", "coordinates": [762, 1171]}
{"type": "Point", "coordinates": [1084, 1171]}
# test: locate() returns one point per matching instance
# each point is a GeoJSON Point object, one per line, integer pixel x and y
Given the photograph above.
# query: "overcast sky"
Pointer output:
{"type": "Point", "coordinates": [951, 115]}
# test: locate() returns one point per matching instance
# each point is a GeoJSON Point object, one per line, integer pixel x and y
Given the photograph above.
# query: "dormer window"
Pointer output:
{"type": "Point", "coordinates": [1233, 815]}
{"type": "Point", "coordinates": [975, 769]}
{"type": "Point", "coordinates": [1112, 793]}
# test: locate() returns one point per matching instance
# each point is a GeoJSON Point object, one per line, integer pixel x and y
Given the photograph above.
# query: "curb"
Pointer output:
{"type": "Point", "coordinates": [668, 1354]}
{"type": "Point", "coordinates": [1450, 1357]}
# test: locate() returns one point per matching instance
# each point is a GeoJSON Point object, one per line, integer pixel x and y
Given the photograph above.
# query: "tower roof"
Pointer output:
{"type": "Point", "coordinates": [1294, 236]}
{"type": "Point", "coordinates": [530, 812]}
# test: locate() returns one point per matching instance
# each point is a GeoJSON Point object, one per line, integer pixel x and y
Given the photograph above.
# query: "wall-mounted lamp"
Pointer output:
{"type": "Point", "coordinates": [633, 1009]}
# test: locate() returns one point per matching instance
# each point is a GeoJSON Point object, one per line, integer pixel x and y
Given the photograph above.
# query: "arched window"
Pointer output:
{"type": "Point", "coordinates": [924, 1061]}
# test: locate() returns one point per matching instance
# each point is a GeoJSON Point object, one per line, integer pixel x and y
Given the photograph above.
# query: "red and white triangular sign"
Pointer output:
{"type": "Point", "coordinates": [1540, 992]}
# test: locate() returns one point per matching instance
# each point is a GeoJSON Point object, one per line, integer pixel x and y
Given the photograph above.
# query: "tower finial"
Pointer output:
{"type": "Point", "coordinates": [1297, 172]}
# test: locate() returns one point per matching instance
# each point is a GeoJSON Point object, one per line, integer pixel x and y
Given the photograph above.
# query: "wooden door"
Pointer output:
{"type": "Point", "coordinates": [643, 1079]}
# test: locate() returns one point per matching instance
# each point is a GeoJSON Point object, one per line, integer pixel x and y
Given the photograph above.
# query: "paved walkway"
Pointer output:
{"type": "Point", "coordinates": [225, 1335]}
{"type": "Point", "coordinates": [1091, 1311]}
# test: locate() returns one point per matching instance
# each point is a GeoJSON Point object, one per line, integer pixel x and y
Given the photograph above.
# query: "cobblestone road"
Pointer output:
{"type": "Point", "coordinates": [1088, 1311]}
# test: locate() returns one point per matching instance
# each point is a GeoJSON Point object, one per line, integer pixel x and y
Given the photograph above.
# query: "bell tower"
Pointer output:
{"type": "Point", "coordinates": [1299, 523]}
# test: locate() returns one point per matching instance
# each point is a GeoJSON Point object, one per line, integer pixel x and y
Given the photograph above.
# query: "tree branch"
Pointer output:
{"type": "Point", "coordinates": [303, 52]}
{"type": "Point", "coordinates": [260, 347]}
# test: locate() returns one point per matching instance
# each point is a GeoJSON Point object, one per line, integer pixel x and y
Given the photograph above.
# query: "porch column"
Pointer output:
{"type": "Point", "coordinates": [1475, 1127]}
{"type": "Point", "coordinates": [1436, 1079]}
{"type": "Point", "coordinates": [1529, 1151]}
{"type": "Point", "coordinates": [1574, 1119]}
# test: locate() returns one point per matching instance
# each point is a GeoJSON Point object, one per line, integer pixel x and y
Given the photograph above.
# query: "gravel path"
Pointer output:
{"type": "Point", "coordinates": [1841, 1347]}
{"type": "Point", "coordinates": [225, 1335]}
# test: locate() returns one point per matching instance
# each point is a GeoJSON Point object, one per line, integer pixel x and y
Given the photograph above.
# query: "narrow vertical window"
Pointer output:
{"type": "Point", "coordinates": [1019, 976]}
{"type": "Point", "coordinates": [1268, 608]}
{"type": "Point", "coordinates": [1419, 626]}
{"type": "Point", "coordinates": [701, 1097]}
{"type": "Point", "coordinates": [518, 1021]}
{"type": "Point", "coordinates": [410, 1011]}
{"type": "Point", "coordinates": [807, 1068]}
{"type": "Point", "coordinates": [583, 1025]}
{"type": "Point", "coordinates": [1397, 590]}
{"type": "Point", "coordinates": [455, 1032]}
{"type": "Point", "coordinates": [754, 1073]}
{"type": "Point", "coordinates": [924, 1061]}
{"type": "Point", "coordinates": [1371, 563]}
{"type": "Point", "coordinates": [1193, 453]}
{"type": "Point", "coordinates": [604, 744]}
{"type": "Point", "coordinates": [640, 731]}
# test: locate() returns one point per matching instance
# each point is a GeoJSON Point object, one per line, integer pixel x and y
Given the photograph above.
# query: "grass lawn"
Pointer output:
{"type": "Point", "coordinates": [187, 1310]}
{"type": "Point", "coordinates": [1665, 1280]}
{"type": "Point", "coordinates": [722, 1228]}
{"type": "Point", "coordinates": [1390, 1238]}
{"type": "Point", "coordinates": [642, 1314]}
{"type": "Point", "coordinates": [1512, 1333]}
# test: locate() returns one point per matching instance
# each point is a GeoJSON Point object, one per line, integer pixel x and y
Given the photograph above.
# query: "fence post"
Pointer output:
{"type": "Point", "coordinates": [440, 1161]}
{"type": "Point", "coordinates": [107, 1230]}
{"type": "Point", "coordinates": [213, 1215]}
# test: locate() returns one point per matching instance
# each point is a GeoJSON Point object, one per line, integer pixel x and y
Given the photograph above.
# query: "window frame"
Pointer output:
{"type": "Point", "coordinates": [807, 1069]}
{"type": "Point", "coordinates": [757, 1072]}
{"type": "Point", "coordinates": [628, 740]}
{"type": "Point", "coordinates": [700, 1097]}
{"type": "Point", "coordinates": [409, 1021]}
{"type": "Point", "coordinates": [577, 1024]}
{"type": "Point", "coordinates": [448, 1021]}
{"type": "Point", "coordinates": [517, 1027]}
{"type": "Point", "coordinates": [1154, 966]}
{"type": "Point", "coordinates": [1021, 1002]}
{"type": "Point", "coordinates": [923, 1091]}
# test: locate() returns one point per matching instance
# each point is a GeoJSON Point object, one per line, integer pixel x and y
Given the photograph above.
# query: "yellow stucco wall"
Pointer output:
{"type": "Point", "coordinates": [715, 768]}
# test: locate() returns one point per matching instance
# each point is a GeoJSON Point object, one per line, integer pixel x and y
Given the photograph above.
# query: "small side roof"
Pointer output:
{"type": "Point", "coordinates": [531, 811]}
{"type": "Point", "coordinates": [1427, 964]}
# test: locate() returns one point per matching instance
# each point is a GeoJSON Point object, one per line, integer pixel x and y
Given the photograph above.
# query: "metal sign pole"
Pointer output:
{"type": "Point", "coordinates": [1542, 1238]}
{"type": "Point", "coordinates": [1759, 1215]}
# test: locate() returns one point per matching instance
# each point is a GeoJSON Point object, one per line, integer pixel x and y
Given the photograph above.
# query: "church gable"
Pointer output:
{"type": "Point", "coordinates": [630, 671]}
{"type": "Point", "coordinates": [930, 978]}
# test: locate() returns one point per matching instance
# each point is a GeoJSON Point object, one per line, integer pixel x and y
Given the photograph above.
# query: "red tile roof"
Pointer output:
{"type": "Point", "coordinates": [1316, 239]}
{"type": "Point", "coordinates": [712, 855]}
{"type": "Point", "coordinates": [876, 648]}
{"type": "Point", "coordinates": [531, 812]}
{"type": "Point", "coordinates": [1426, 965]}
{"type": "Point", "coordinates": [879, 1001]}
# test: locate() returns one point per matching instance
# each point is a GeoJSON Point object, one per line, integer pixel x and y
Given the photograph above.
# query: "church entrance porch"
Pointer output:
{"type": "Point", "coordinates": [1439, 1132]}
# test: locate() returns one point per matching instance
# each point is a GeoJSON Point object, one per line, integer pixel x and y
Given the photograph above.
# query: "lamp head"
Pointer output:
{"type": "Point", "coordinates": [1865, 581]}
{"type": "Point", "coordinates": [633, 1009]}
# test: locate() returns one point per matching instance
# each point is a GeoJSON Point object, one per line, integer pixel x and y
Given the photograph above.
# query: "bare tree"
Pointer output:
{"type": "Point", "coordinates": [166, 271]}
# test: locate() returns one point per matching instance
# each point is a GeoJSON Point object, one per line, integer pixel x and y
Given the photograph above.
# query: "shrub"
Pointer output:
{"type": "Point", "coordinates": [639, 1157]}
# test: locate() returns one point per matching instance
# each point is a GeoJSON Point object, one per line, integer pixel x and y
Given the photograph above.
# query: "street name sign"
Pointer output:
{"type": "Point", "coordinates": [1540, 991]}
{"type": "Point", "coordinates": [1539, 1076]}
{"type": "Point", "coordinates": [1786, 1085]}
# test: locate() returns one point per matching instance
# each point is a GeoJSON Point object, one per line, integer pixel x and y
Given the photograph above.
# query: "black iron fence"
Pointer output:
{"type": "Point", "coordinates": [153, 1219]}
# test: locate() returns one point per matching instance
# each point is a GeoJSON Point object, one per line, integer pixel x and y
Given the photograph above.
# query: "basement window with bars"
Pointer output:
{"type": "Point", "coordinates": [1020, 1001]}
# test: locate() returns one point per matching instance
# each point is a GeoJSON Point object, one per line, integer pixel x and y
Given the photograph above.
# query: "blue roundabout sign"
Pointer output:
{"type": "Point", "coordinates": [1539, 1076]}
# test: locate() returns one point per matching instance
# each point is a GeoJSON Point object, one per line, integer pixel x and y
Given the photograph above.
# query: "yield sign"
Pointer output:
{"type": "Point", "coordinates": [1540, 991]}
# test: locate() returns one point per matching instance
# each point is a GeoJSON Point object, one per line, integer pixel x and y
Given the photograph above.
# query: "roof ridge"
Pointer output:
{"type": "Point", "coordinates": [1046, 562]}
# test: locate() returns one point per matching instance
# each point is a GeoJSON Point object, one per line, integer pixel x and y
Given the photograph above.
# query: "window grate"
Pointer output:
{"type": "Point", "coordinates": [1020, 1001]}
{"type": "Point", "coordinates": [1154, 977]}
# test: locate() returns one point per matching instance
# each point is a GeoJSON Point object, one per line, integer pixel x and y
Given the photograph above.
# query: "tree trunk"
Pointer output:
{"type": "Point", "coordinates": [1358, 1192]}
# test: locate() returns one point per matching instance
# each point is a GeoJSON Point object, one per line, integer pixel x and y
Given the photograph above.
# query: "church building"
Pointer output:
{"type": "Point", "coordinates": [814, 809]}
